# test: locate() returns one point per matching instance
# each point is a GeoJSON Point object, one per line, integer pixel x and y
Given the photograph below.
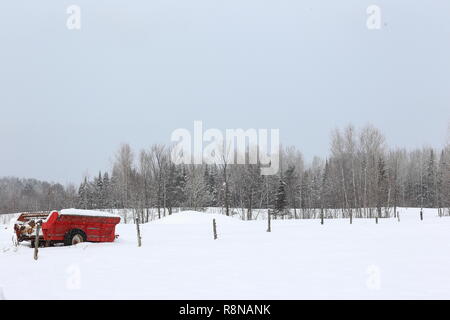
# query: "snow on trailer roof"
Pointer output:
{"type": "Point", "coordinates": [89, 213]}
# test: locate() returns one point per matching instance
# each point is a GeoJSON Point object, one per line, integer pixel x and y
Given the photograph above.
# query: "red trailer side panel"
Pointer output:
{"type": "Point", "coordinates": [97, 229]}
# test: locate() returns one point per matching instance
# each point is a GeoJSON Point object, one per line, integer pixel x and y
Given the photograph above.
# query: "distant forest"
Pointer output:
{"type": "Point", "coordinates": [361, 177]}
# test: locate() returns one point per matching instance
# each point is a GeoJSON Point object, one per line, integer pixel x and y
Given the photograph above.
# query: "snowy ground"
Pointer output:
{"type": "Point", "coordinates": [300, 259]}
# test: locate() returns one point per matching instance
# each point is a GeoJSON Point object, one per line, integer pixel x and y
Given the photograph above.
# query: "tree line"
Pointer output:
{"type": "Point", "coordinates": [31, 195]}
{"type": "Point", "coordinates": [361, 178]}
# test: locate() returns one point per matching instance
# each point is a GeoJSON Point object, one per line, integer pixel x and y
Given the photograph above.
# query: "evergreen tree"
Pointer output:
{"type": "Point", "coordinates": [280, 198]}
{"type": "Point", "coordinates": [181, 185]}
{"type": "Point", "coordinates": [99, 202]}
{"type": "Point", "coordinates": [82, 201]}
{"type": "Point", "coordinates": [90, 194]}
{"type": "Point", "coordinates": [210, 177]}
{"type": "Point", "coordinates": [305, 191]}
{"type": "Point", "coordinates": [292, 187]}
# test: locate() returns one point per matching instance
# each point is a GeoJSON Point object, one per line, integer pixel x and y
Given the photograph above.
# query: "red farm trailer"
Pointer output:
{"type": "Point", "coordinates": [70, 227]}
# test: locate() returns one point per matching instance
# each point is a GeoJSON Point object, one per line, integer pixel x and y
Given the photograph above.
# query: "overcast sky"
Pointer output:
{"type": "Point", "coordinates": [139, 69]}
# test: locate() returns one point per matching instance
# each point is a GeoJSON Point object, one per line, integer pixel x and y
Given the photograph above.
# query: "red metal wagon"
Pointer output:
{"type": "Point", "coordinates": [70, 226]}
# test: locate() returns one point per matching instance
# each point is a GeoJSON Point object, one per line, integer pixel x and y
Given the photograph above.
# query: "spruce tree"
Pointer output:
{"type": "Point", "coordinates": [82, 201]}
{"type": "Point", "coordinates": [210, 178]}
{"type": "Point", "coordinates": [291, 180]}
{"type": "Point", "coordinates": [280, 198]}
{"type": "Point", "coordinates": [99, 201]}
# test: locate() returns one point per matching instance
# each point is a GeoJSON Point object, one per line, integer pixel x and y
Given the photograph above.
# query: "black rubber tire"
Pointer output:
{"type": "Point", "coordinates": [68, 238]}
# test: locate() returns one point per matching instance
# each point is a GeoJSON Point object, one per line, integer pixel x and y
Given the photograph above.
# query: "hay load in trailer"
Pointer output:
{"type": "Point", "coordinates": [69, 226]}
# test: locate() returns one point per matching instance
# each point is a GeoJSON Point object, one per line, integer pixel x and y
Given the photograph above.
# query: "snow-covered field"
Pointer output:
{"type": "Point", "coordinates": [299, 259]}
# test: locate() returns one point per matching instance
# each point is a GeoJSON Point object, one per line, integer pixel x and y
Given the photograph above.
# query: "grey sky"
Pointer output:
{"type": "Point", "coordinates": [137, 70]}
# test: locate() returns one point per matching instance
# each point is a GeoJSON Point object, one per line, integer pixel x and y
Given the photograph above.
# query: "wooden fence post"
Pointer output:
{"type": "Point", "coordinates": [214, 229]}
{"type": "Point", "coordinates": [269, 228]}
{"type": "Point", "coordinates": [36, 241]}
{"type": "Point", "coordinates": [138, 230]}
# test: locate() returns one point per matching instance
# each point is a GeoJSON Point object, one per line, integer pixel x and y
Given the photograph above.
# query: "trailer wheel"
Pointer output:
{"type": "Point", "coordinates": [74, 237]}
